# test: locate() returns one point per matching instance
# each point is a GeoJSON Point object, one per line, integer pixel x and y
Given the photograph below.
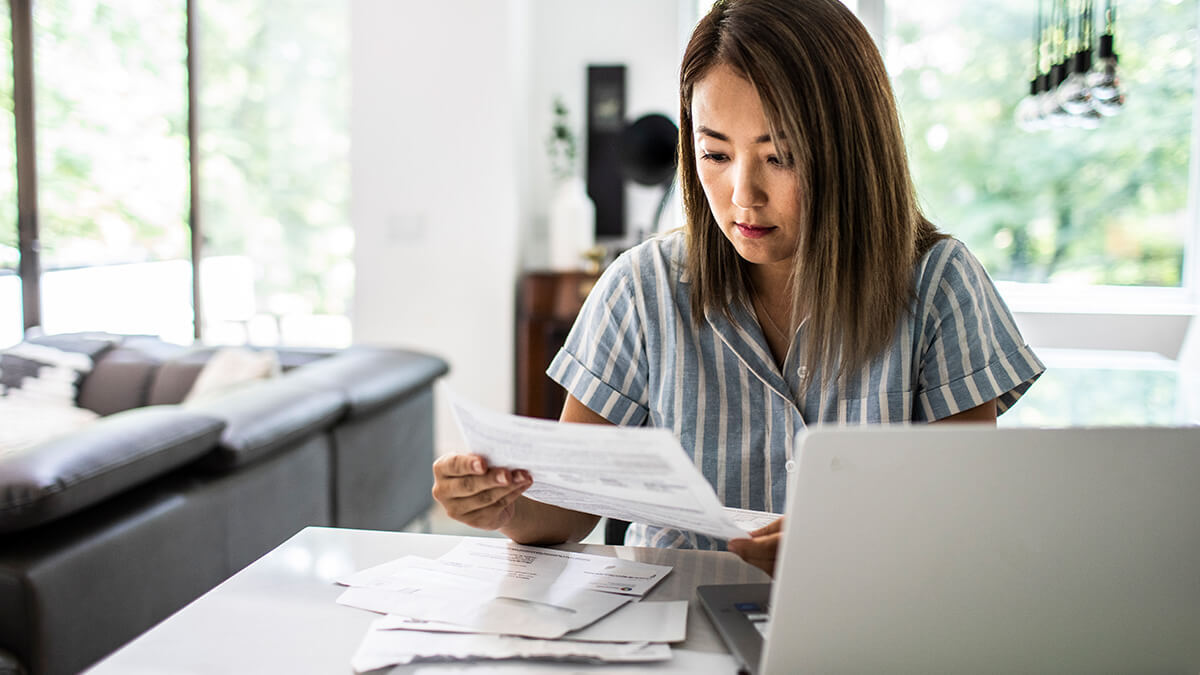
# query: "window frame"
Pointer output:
{"type": "Point", "coordinates": [29, 265]}
{"type": "Point", "coordinates": [25, 117]}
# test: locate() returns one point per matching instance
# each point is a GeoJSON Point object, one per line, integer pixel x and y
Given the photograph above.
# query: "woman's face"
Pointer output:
{"type": "Point", "coordinates": [752, 190]}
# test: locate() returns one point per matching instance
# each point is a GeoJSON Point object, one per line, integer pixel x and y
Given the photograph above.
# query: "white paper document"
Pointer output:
{"type": "Point", "coordinates": [649, 621]}
{"type": "Point", "coordinates": [412, 571]}
{"type": "Point", "coordinates": [495, 565]}
{"type": "Point", "coordinates": [634, 622]}
{"type": "Point", "coordinates": [751, 520]}
{"type": "Point", "coordinates": [382, 648]}
{"type": "Point", "coordinates": [683, 662]}
{"type": "Point", "coordinates": [530, 611]}
{"type": "Point", "coordinates": [547, 565]}
{"type": "Point", "coordinates": [637, 474]}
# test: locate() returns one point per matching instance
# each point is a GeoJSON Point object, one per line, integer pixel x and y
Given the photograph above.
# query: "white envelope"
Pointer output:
{"type": "Point", "coordinates": [382, 648]}
{"type": "Point", "coordinates": [478, 555]}
{"type": "Point", "coordinates": [648, 621]}
{"type": "Point", "coordinates": [751, 520]}
{"type": "Point", "coordinates": [411, 570]}
{"type": "Point", "coordinates": [635, 622]}
{"type": "Point", "coordinates": [540, 612]}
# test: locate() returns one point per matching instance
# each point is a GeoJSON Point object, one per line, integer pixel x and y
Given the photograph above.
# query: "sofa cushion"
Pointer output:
{"type": "Point", "coordinates": [71, 472]}
{"type": "Point", "coordinates": [268, 415]}
{"type": "Point", "coordinates": [291, 358]}
{"type": "Point", "coordinates": [175, 377]}
{"type": "Point", "coordinates": [122, 378]}
{"type": "Point", "coordinates": [371, 377]}
{"type": "Point", "coordinates": [120, 381]}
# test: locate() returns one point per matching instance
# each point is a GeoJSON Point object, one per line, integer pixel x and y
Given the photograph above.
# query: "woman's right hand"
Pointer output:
{"type": "Point", "coordinates": [475, 494]}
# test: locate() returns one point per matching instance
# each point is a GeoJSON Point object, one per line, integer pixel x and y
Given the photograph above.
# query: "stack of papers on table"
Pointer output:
{"type": "Point", "coordinates": [493, 599]}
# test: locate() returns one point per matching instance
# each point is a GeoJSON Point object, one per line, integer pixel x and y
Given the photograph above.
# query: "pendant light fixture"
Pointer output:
{"type": "Point", "coordinates": [1077, 88]}
{"type": "Point", "coordinates": [1074, 94]}
{"type": "Point", "coordinates": [1107, 97]}
{"type": "Point", "coordinates": [1028, 113]}
{"type": "Point", "coordinates": [1052, 110]}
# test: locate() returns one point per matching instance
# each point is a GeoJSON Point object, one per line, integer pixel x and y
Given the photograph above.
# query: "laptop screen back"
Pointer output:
{"type": "Point", "coordinates": [958, 549]}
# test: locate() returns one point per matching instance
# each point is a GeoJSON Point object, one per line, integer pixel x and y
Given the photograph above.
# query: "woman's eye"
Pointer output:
{"type": "Point", "coordinates": [713, 157]}
{"type": "Point", "coordinates": [777, 161]}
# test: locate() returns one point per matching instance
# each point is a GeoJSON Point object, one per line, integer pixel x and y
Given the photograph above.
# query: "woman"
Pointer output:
{"type": "Point", "coordinates": [806, 288]}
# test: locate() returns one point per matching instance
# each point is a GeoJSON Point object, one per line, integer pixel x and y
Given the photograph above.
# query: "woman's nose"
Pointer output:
{"type": "Point", "coordinates": [747, 193]}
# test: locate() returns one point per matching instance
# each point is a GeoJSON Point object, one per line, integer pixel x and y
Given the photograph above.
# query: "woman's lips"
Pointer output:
{"type": "Point", "coordinates": [753, 231]}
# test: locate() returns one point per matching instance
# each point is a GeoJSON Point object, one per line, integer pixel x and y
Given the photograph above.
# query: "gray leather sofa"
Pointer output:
{"type": "Point", "coordinates": [110, 529]}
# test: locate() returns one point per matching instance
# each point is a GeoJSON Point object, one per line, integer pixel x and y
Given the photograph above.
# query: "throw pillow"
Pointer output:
{"type": "Point", "coordinates": [30, 422]}
{"type": "Point", "coordinates": [230, 367]}
{"type": "Point", "coordinates": [93, 344]}
{"type": "Point", "coordinates": [36, 372]}
{"type": "Point", "coordinates": [38, 388]}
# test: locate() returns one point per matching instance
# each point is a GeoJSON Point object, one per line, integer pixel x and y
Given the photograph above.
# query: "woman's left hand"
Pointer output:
{"type": "Point", "coordinates": [760, 550]}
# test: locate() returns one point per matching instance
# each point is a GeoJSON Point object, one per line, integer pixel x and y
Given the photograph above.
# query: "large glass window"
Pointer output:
{"type": "Point", "coordinates": [10, 284]}
{"type": "Point", "coordinates": [1066, 205]}
{"type": "Point", "coordinates": [8, 153]}
{"type": "Point", "coordinates": [275, 171]}
{"type": "Point", "coordinates": [111, 115]}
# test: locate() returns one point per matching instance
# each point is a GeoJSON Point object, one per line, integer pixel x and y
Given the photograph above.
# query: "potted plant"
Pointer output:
{"type": "Point", "coordinates": [572, 222]}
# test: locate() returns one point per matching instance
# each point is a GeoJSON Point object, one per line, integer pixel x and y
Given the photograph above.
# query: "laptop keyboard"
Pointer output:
{"type": "Point", "coordinates": [758, 615]}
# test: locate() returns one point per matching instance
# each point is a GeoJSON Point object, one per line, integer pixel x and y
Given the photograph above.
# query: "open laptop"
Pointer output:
{"type": "Point", "coordinates": [970, 549]}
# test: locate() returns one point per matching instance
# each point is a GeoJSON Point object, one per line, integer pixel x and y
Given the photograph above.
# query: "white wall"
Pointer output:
{"type": "Point", "coordinates": [451, 103]}
{"type": "Point", "coordinates": [434, 194]}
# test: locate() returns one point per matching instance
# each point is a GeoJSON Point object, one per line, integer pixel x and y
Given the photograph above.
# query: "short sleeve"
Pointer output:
{"type": "Point", "coordinates": [972, 351]}
{"type": "Point", "coordinates": [602, 363]}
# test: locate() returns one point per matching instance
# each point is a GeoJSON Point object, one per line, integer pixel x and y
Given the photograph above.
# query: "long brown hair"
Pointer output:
{"type": "Point", "coordinates": [828, 103]}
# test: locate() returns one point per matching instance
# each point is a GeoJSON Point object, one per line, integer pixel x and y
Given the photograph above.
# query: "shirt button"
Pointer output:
{"type": "Point", "coordinates": [790, 466]}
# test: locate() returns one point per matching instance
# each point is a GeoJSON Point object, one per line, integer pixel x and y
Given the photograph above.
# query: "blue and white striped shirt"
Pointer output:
{"type": "Point", "coordinates": [635, 356]}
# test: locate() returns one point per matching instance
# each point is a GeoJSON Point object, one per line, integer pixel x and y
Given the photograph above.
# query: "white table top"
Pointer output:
{"type": "Point", "coordinates": [279, 614]}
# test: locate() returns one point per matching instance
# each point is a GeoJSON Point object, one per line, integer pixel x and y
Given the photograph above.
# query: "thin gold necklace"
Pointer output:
{"type": "Point", "coordinates": [763, 306]}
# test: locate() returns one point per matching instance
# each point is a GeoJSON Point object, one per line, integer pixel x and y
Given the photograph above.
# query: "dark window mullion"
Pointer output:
{"type": "Point", "coordinates": [193, 105]}
{"type": "Point", "coordinates": [23, 111]}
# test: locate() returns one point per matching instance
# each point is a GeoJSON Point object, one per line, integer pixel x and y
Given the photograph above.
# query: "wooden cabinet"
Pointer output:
{"type": "Point", "coordinates": [547, 304]}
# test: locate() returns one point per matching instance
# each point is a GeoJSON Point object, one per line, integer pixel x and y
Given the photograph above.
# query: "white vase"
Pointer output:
{"type": "Point", "coordinates": [572, 226]}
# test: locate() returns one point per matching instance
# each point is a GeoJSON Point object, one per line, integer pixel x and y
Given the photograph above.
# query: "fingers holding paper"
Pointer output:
{"type": "Point", "coordinates": [476, 494]}
{"type": "Point", "coordinates": [761, 548]}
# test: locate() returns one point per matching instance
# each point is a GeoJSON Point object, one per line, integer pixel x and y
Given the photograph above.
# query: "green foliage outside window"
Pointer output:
{"type": "Point", "coordinates": [1103, 206]}
{"type": "Point", "coordinates": [1115, 397]}
{"type": "Point", "coordinates": [111, 112]}
{"type": "Point", "coordinates": [8, 154]}
{"type": "Point", "coordinates": [274, 145]}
